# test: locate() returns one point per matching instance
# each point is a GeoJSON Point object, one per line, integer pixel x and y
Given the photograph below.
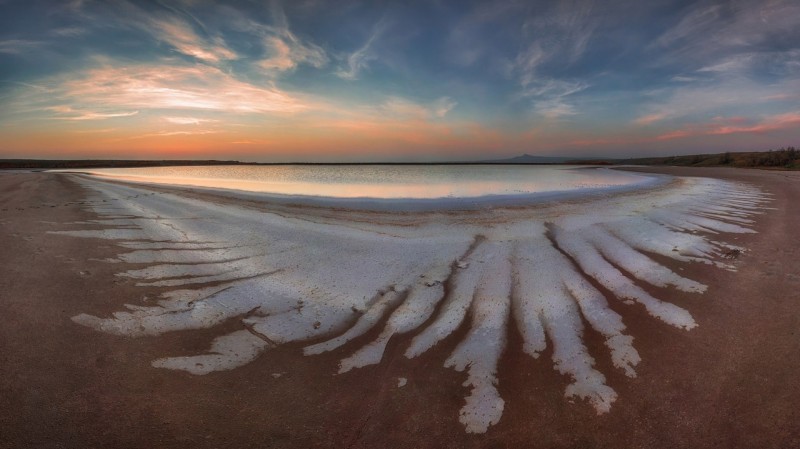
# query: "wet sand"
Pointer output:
{"type": "Point", "coordinates": [731, 382]}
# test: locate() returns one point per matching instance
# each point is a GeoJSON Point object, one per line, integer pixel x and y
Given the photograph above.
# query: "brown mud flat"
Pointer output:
{"type": "Point", "coordinates": [731, 382]}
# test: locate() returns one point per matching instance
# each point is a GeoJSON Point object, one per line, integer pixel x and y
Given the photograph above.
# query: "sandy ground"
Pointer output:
{"type": "Point", "coordinates": [731, 382]}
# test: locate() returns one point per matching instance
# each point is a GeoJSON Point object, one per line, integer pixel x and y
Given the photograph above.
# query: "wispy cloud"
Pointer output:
{"type": "Point", "coordinates": [467, 42]}
{"type": "Point", "coordinates": [442, 106]}
{"type": "Point", "coordinates": [562, 34]}
{"type": "Point", "coordinates": [651, 118]}
{"type": "Point", "coordinates": [175, 87]}
{"type": "Point", "coordinates": [697, 100]}
{"type": "Point", "coordinates": [95, 131]}
{"type": "Point", "coordinates": [736, 125]}
{"type": "Point", "coordinates": [19, 46]}
{"type": "Point", "coordinates": [676, 134]}
{"type": "Point", "coordinates": [684, 79]}
{"type": "Point", "coordinates": [286, 53]}
{"type": "Point", "coordinates": [283, 50]}
{"type": "Point", "coordinates": [559, 37]}
{"type": "Point", "coordinates": [167, 25]}
{"type": "Point", "coordinates": [183, 38]}
{"type": "Point", "coordinates": [68, 113]}
{"type": "Point", "coordinates": [726, 36]}
{"type": "Point", "coordinates": [172, 133]}
{"type": "Point", "coordinates": [732, 64]}
{"type": "Point", "coordinates": [403, 108]}
{"type": "Point", "coordinates": [36, 87]}
{"type": "Point", "coordinates": [550, 96]}
{"type": "Point", "coordinates": [698, 21]}
{"type": "Point", "coordinates": [73, 31]}
{"type": "Point", "coordinates": [187, 120]}
{"type": "Point", "coordinates": [359, 59]}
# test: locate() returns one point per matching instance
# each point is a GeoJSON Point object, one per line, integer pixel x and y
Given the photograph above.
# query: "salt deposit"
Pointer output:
{"type": "Point", "coordinates": [292, 273]}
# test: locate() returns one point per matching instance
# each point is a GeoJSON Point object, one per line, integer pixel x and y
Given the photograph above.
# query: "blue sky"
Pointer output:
{"type": "Point", "coordinates": [352, 80]}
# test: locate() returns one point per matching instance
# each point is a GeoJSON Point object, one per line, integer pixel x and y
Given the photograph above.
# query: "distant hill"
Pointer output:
{"type": "Point", "coordinates": [785, 158]}
{"type": "Point", "coordinates": [529, 159]}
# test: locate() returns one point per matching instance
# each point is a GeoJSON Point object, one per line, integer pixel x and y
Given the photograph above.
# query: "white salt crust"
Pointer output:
{"type": "Point", "coordinates": [330, 276]}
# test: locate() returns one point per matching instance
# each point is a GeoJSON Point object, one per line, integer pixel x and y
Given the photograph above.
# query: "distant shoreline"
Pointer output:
{"type": "Point", "coordinates": [782, 159]}
{"type": "Point", "coordinates": [45, 164]}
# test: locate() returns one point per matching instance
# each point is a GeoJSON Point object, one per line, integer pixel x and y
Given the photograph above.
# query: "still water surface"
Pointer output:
{"type": "Point", "coordinates": [386, 181]}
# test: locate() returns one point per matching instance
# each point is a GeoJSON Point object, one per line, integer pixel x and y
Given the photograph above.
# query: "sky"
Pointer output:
{"type": "Point", "coordinates": [312, 80]}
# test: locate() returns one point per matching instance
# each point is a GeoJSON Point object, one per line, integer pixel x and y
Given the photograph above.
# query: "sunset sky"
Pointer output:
{"type": "Point", "coordinates": [311, 80]}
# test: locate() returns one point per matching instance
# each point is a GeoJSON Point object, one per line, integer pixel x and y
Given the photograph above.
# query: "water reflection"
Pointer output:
{"type": "Point", "coordinates": [384, 181]}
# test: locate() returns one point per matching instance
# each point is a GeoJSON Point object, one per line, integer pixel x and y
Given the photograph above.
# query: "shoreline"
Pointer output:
{"type": "Point", "coordinates": [687, 381]}
{"type": "Point", "coordinates": [394, 204]}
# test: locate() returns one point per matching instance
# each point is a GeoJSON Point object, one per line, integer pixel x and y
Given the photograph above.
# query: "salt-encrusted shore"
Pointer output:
{"type": "Point", "coordinates": [387, 296]}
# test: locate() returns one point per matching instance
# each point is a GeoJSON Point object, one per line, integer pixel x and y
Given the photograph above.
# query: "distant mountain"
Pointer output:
{"type": "Point", "coordinates": [531, 159]}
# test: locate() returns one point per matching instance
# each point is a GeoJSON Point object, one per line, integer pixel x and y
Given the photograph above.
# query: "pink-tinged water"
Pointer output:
{"type": "Point", "coordinates": [385, 181]}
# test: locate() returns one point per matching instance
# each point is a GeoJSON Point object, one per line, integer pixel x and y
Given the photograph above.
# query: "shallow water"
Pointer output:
{"type": "Point", "coordinates": [387, 181]}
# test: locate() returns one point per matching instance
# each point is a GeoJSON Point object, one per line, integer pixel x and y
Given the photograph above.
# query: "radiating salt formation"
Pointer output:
{"type": "Point", "coordinates": [417, 307]}
{"type": "Point", "coordinates": [592, 262]}
{"type": "Point", "coordinates": [550, 297]}
{"type": "Point", "coordinates": [351, 281]}
{"type": "Point", "coordinates": [226, 352]}
{"type": "Point", "coordinates": [366, 322]}
{"type": "Point", "coordinates": [480, 350]}
{"type": "Point", "coordinates": [455, 306]}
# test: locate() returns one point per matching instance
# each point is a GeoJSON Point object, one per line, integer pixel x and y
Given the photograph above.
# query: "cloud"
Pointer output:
{"type": "Point", "coordinates": [36, 87]}
{"type": "Point", "coordinates": [182, 37]}
{"type": "Point", "coordinates": [286, 53]}
{"type": "Point", "coordinates": [282, 49]}
{"type": "Point", "coordinates": [732, 64]}
{"type": "Point", "coordinates": [527, 63]}
{"type": "Point", "coordinates": [737, 125]}
{"type": "Point", "coordinates": [443, 106]}
{"type": "Point", "coordinates": [556, 39]}
{"type": "Point", "coordinates": [402, 108]}
{"type": "Point", "coordinates": [95, 131]}
{"type": "Point", "coordinates": [677, 134]}
{"type": "Point", "coordinates": [554, 88]}
{"type": "Point", "coordinates": [651, 118]}
{"type": "Point", "coordinates": [560, 36]}
{"type": "Point", "coordinates": [549, 96]}
{"type": "Point", "coordinates": [697, 21]}
{"type": "Point", "coordinates": [68, 113]}
{"type": "Point", "coordinates": [773, 123]}
{"type": "Point", "coordinates": [554, 108]}
{"type": "Point", "coordinates": [721, 37]}
{"type": "Point", "coordinates": [183, 32]}
{"type": "Point", "coordinates": [469, 39]}
{"type": "Point", "coordinates": [163, 23]}
{"type": "Point", "coordinates": [701, 100]}
{"type": "Point", "coordinates": [187, 120]}
{"type": "Point", "coordinates": [172, 133]}
{"type": "Point", "coordinates": [684, 79]}
{"type": "Point", "coordinates": [173, 87]}
{"type": "Point", "coordinates": [69, 31]}
{"type": "Point", "coordinates": [359, 59]}
{"type": "Point", "coordinates": [19, 46]}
